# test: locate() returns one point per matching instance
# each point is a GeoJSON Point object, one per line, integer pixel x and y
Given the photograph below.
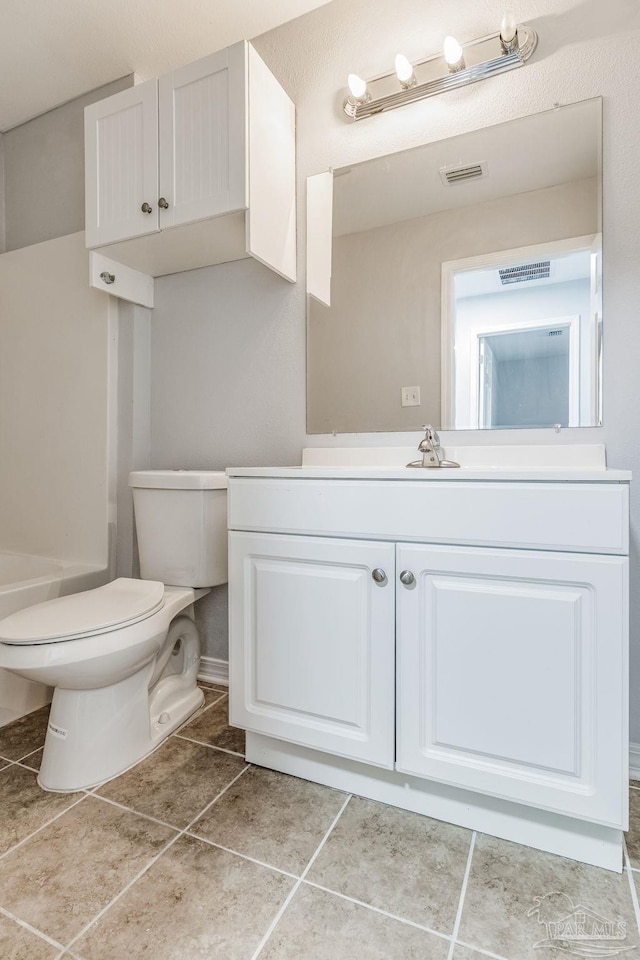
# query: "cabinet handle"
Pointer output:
{"type": "Point", "coordinates": [379, 575]}
{"type": "Point", "coordinates": [107, 277]}
{"type": "Point", "coordinates": [146, 208]}
{"type": "Point", "coordinates": [163, 204]}
{"type": "Point", "coordinates": [407, 578]}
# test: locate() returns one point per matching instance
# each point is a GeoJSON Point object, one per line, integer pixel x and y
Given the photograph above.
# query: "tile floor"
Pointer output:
{"type": "Point", "coordinates": [196, 854]}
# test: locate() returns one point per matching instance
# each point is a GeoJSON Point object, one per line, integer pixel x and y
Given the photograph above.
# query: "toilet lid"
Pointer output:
{"type": "Point", "coordinates": [117, 604]}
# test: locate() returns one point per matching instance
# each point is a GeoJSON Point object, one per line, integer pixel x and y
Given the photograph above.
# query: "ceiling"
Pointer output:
{"type": "Point", "coordinates": [54, 50]}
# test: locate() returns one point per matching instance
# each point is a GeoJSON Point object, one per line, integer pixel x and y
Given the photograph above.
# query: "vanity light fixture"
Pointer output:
{"type": "Point", "coordinates": [509, 48]}
{"type": "Point", "coordinates": [453, 55]}
{"type": "Point", "coordinates": [358, 93]}
{"type": "Point", "coordinates": [404, 72]}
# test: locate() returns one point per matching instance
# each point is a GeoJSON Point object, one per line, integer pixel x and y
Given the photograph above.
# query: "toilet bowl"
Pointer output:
{"type": "Point", "coordinates": [124, 658]}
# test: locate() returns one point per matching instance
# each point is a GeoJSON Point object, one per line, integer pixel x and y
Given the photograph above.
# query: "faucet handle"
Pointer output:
{"type": "Point", "coordinates": [431, 436]}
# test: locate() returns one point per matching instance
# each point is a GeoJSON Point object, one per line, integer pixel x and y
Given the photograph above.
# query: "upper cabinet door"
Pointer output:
{"type": "Point", "coordinates": [203, 138]}
{"type": "Point", "coordinates": [512, 675]}
{"type": "Point", "coordinates": [121, 159]}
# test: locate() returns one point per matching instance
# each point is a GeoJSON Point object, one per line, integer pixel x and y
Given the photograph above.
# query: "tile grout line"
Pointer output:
{"type": "Point", "coordinates": [463, 893]}
{"type": "Point", "coordinates": [31, 929]}
{"type": "Point", "coordinates": [25, 766]}
{"type": "Point", "coordinates": [138, 813]}
{"type": "Point", "coordinates": [384, 913]}
{"type": "Point", "coordinates": [276, 920]}
{"type": "Point", "coordinates": [201, 743]}
{"type": "Point", "coordinates": [190, 832]}
{"type": "Point", "coordinates": [30, 754]}
{"type": "Point", "coordinates": [632, 886]}
{"type": "Point", "coordinates": [243, 856]}
{"type": "Point", "coordinates": [153, 860]}
{"type": "Point", "coordinates": [48, 823]}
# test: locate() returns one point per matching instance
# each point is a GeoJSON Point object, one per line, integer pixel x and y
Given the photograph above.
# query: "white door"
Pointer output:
{"type": "Point", "coordinates": [203, 138]}
{"type": "Point", "coordinates": [312, 642]}
{"type": "Point", "coordinates": [121, 161]}
{"type": "Point", "coordinates": [512, 675]}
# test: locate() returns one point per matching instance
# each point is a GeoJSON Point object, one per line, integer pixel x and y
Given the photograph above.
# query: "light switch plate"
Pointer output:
{"type": "Point", "coordinates": [411, 396]}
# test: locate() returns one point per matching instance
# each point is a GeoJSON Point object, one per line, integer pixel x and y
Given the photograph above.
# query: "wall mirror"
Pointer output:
{"type": "Point", "coordinates": [466, 280]}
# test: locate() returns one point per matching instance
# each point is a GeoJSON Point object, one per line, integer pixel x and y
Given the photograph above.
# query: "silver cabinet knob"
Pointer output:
{"type": "Point", "coordinates": [146, 208]}
{"type": "Point", "coordinates": [163, 203]}
{"type": "Point", "coordinates": [407, 578]}
{"type": "Point", "coordinates": [379, 575]}
{"type": "Point", "coordinates": [107, 277]}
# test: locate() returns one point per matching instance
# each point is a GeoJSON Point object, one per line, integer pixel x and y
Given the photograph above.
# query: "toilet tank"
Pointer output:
{"type": "Point", "coordinates": [181, 524]}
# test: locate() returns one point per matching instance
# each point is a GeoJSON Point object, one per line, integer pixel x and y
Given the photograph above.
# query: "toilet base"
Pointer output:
{"type": "Point", "coordinates": [94, 735]}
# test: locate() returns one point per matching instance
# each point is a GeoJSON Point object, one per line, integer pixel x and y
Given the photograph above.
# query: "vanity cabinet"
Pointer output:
{"type": "Point", "coordinates": [496, 667]}
{"type": "Point", "coordinates": [194, 168]}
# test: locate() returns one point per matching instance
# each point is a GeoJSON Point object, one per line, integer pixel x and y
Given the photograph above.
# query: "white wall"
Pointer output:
{"type": "Point", "coordinates": [585, 50]}
{"type": "Point", "coordinates": [57, 337]}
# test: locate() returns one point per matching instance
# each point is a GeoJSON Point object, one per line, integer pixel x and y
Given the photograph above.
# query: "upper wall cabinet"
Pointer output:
{"type": "Point", "coordinates": [195, 168]}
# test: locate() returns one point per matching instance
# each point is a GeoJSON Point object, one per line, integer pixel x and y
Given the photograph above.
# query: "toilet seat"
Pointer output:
{"type": "Point", "coordinates": [118, 604]}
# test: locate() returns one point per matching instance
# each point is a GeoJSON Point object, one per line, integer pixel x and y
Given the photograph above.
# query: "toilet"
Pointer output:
{"type": "Point", "coordinates": [124, 658]}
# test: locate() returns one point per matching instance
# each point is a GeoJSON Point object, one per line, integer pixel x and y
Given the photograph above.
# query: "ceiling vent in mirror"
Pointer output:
{"type": "Point", "coordinates": [528, 271]}
{"type": "Point", "coordinates": [467, 171]}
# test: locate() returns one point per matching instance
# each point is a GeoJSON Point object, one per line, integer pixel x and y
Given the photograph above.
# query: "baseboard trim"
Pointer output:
{"type": "Point", "coordinates": [217, 671]}
{"type": "Point", "coordinates": [634, 761]}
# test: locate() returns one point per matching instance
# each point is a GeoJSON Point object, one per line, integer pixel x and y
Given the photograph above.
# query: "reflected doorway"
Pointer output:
{"type": "Point", "coordinates": [528, 375]}
{"type": "Point", "coordinates": [521, 339]}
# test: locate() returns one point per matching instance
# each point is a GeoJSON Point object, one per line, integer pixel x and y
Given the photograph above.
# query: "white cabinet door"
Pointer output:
{"type": "Point", "coordinates": [512, 675]}
{"type": "Point", "coordinates": [121, 165]}
{"type": "Point", "coordinates": [203, 138]}
{"type": "Point", "coordinates": [312, 642]}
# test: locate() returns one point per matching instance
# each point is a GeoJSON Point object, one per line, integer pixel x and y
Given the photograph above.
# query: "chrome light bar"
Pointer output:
{"type": "Point", "coordinates": [480, 59]}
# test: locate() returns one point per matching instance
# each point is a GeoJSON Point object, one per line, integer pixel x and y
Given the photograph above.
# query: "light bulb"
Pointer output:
{"type": "Point", "coordinates": [357, 87]}
{"type": "Point", "coordinates": [404, 71]}
{"type": "Point", "coordinates": [508, 28]}
{"type": "Point", "coordinates": [453, 54]}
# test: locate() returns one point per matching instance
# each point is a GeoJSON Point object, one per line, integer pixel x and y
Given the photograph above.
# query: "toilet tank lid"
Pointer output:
{"type": "Point", "coordinates": [179, 479]}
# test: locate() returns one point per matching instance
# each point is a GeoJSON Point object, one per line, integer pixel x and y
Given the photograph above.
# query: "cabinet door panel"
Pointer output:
{"type": "Point", "coordinates": [512, 673]}
{"type": "Point", "coordinates": [312, 643]}
{"type": "Point", "coordinates": [202, 138]}
{"type": "Point", "coordinates": [121, 159]}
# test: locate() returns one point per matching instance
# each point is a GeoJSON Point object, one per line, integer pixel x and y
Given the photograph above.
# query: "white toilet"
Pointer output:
{"type": "Point", "coordinates": [124, 658]}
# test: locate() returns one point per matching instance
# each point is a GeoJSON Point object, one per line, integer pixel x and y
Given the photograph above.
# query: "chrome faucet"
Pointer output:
{"type": "Point", "coordinates": [429, 447]}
